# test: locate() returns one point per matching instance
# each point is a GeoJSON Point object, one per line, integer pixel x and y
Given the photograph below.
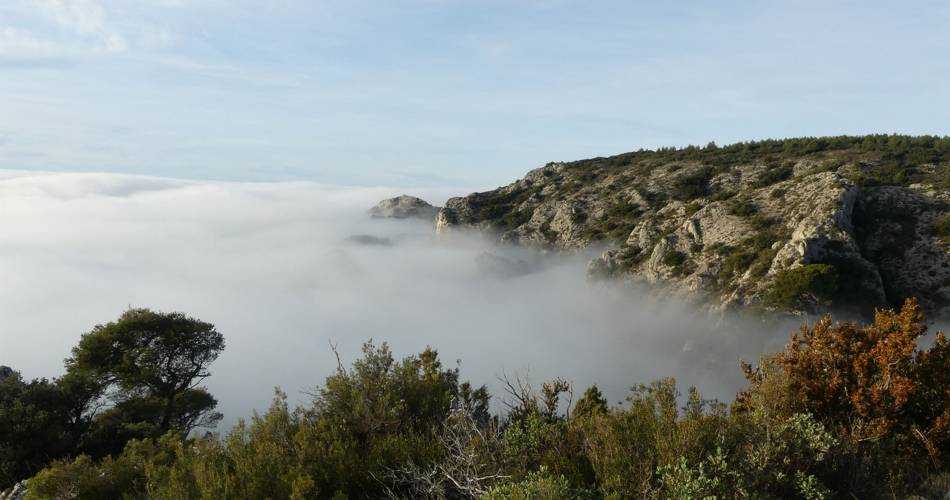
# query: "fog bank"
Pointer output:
{"type": "Point", "coordinates": [286, 269]}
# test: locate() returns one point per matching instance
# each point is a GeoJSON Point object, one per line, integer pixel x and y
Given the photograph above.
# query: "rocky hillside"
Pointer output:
{"type": "Point", "coordinates": [404, 207]}
{"type": "Point", "coordinates": [791, 225]}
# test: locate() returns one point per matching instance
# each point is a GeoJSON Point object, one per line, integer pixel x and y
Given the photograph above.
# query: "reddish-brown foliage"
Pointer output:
{"type": "Point", "coordinates": [874, 382]}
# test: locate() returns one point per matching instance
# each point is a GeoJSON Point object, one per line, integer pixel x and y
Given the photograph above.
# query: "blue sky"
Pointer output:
{"type": "Point", "coordinates": [447, 93]}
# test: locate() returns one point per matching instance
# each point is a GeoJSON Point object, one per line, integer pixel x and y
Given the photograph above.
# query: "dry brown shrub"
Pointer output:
{"type": "Point", "coordinates": [867, 383]}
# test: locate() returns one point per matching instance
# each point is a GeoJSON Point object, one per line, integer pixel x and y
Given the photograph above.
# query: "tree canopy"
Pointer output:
{"type": "Point", "coordinates": [134, 378]}
{"type": "Point", "coordinates": [155, 363]}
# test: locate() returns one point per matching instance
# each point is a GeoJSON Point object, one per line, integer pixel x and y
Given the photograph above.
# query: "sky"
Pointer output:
{"type": "Point", "coordinates": [442, 93]}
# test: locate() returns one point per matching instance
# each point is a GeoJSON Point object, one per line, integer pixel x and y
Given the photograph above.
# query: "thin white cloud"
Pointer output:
{"type": "Point", "coordinates": [36, 31]}
{"type": "Point", "coordinates": [86, 18]}
{"type": "Point", "coordinates": [20, 45]}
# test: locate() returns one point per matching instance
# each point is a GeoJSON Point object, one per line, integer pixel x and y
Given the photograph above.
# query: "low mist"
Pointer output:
{"type": "Point", "coordinates": [286, 269]}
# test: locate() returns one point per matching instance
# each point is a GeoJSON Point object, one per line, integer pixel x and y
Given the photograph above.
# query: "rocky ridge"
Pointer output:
{"type": "Point", "coordinates": [794, 225]}
{"type": "Point", "coordinates": [403, 207]}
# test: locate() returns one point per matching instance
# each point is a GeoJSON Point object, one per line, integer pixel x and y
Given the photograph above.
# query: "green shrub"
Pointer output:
{"type": "Point", "coordinates": [735, 264]}
{"type": "Point", "coordinates": [679, 481]}
{"type": "Point", "coordinates": [501, 207]}
{"type": "Point", "coordinates": [538, 485]}
{"type": "Point", "coordinates": [763, 261]}
{"type": "Point", "coordinates": [84, 479]}
{"type": "Point", "coordinates": [719, 248]}
{"type": "Point", "coordinates": [743, 208]}
{"type": "Point", "coordinates": [774, 175]}
{"type": "Point", "coordinates": [627, 445]}
{"type": "Point", "coordinates": [804, 286]}
{"type": "Point", "coordinates": [674, 259]}
{"type": "Point", "coordinates": [941, 227]}
{"type": "Point", "coordinates": [724, 195]}
{"type": "Point", "coordinates": [762, 222]}
{"type": "Point", "coordinates": [655, 199]}
{"type": "Point", "coordinates": [755, 253]}
{"type": "Point", "coordinates": [691, 186]}
{"type": "Point", "coordinates": [692, 208]}
{"type": "Point", "coordinates": [592, 402]}
{"type": "Point", "coordinates": [515, 218]}
{"type": "Point", "coordinates": [887, 174]}
{"type": "Point", "coordinates": [615, 224]}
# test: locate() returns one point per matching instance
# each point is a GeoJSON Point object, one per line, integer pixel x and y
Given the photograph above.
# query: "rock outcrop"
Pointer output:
{"type": "Point", "coordinates": [403, 207]}
{"type": "Point", "coordinates": [833, 226]}
{"type": "Point", "coordinates": [18, 492]}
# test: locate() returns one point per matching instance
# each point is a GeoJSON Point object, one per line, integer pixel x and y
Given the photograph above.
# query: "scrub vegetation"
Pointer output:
{"type": "Point", "coordinates": [844, 411]}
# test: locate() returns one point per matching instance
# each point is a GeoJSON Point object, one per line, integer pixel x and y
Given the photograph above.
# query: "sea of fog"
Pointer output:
{"type": "Point", "coordinates": [276, 268]}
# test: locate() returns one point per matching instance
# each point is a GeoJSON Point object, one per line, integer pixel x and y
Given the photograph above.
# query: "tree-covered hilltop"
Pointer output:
{"type": "Point", "coordinates": [845, 411]}
{"type": "Point", "coordinates": [889, 160]}
{"type": "Point", "coordinates": [802, 224]}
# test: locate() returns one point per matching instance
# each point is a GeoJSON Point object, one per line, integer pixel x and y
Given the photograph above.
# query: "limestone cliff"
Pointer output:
{"type": "Point", "coordinates": [793, 225]}
{"type": "Point", "coordinates": [404, 207]}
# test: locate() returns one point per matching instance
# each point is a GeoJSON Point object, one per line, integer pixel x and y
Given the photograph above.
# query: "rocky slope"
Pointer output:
{"type": "Point", "coordinates": [403, 207]}
{"type": "Point", "coordinates": [18, 492]}
{"type": "Point", "coordinates": [793, 225]}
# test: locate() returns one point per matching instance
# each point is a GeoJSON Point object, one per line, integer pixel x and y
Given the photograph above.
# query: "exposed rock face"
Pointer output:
{"type": "Point", "coordinates": [736, 232]}
{"type": "Point", "coordinates": [18, 492]}
{"type": "Point", "coordinates": [895, 231]}
{"type": "Point", "coordinates": [405, 206]}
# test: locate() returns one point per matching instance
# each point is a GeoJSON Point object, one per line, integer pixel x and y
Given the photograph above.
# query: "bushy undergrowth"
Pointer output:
{"type": "Point", "coordinates": [692, 185]}
{"type": "Point", "coordinates": [843, 412]}
{"type": "Point", "coordinates": [941, 227]}
{"type": "Point", "coordinates": [804, 286]}
{"type": "Point", "coordinates": [774, 174]}
{"type": "Point", "coordinates": [753, 254]}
